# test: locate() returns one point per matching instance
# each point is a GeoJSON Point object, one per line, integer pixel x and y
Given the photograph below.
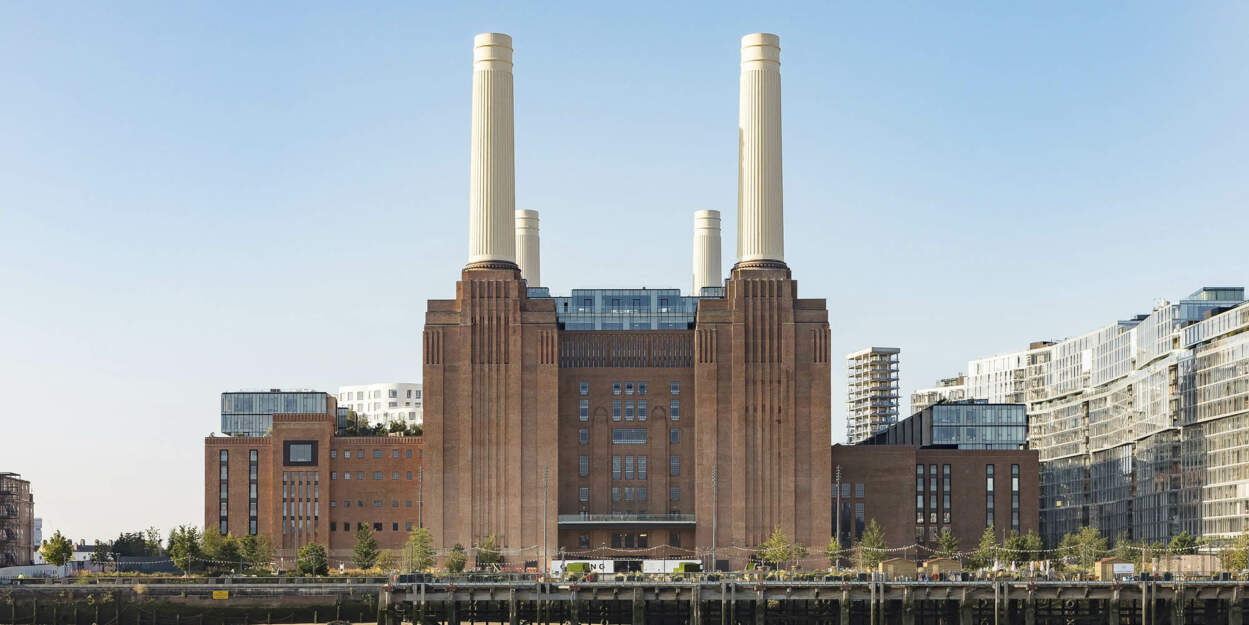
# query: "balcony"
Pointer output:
{"type": "Point", "coordinates": [619, 520]}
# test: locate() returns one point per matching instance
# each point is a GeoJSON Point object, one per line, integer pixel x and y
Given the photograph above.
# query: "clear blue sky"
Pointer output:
{"type": "Point", "coordinates": [205, 197]}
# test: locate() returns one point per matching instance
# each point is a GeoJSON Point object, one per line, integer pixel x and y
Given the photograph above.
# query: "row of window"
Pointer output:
{"type": "Point", "coordinates": [377, 394]}
{"type": "Point", "coordinates": [377, 503]}
{"type": "Point", "coordinates": [377, 527]}
{"type": "Point", "coordinates": [625, 409]}
{"type": "Point", "coordinates": [932, 493]}
{"type": "Point", "coordinates": [377, 453]}
{"type": "Point", "coordinates": [629, 493]}
{"type": "Point", "coordinates": [379, 475]}
{"type": "Point", "coordinates": [627, 388]}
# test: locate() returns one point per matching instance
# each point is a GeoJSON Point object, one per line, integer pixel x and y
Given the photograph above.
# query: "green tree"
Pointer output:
{"type": "Point", "coordinates": [488, 552]}
{"type": "Point", "coordinates": [185, 547]}
{"type": "Point", "coordinates": [1015, 549]}
{"type": "Point", "coordinates": [222, 552]}
{"type": "Point", "coordinates": [1236, 556]}
{"type": "Point", "coordinates": [420, 549]}
{"type": "Point", "coordinates": [456, 559]}
{"type": "Point", "coordinates": [779, 549]}
{"type": "Point", "coordinates": [311, 559]}
{"type": "Point", "coordinates": [386, 560]}
{"type": "Point", "coordinates": [1125, 547]}
{"type": "Point", "coordinates": [947, 545]}
{"type": "Point", "coordinates": [872, 546]}
{"type": "Point", "coordinates": [128, 544]}
{"type": "Point", "coordinates": [57, 550]}
{"type": "Point", "coordinates": [1032, 542]}
{"type": "Point", "coordinates": [1184, 544]}
{"type": "Point", "coordinates": [151, 540]}
{"type": "Point", "coordinates": [364, 555]}
{"type": "Point", "coordinates": [987, 551]}
{"type": "Point", "coordinates": [257, 549]}
{"type": "Point", "coordinates": [1084, 546]}
{"type": "Point", "coordinates": [100, 555]}
{"type": "Point", "coordinates": [833, 551]}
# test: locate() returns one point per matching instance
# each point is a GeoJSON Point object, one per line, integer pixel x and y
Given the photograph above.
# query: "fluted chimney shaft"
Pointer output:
{"type": "Point", "coordinates": [492, 194]}
{"type": "Point", "coordinates": [528, 250]}
{"type": "Point", "coordinates": [760, 218]}
{"type": "Point", "coordinates": [706, 250]}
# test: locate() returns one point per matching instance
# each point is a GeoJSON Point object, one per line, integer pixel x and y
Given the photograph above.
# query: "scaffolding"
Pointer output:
{"type": "Point", "coordinates": [16, 520]}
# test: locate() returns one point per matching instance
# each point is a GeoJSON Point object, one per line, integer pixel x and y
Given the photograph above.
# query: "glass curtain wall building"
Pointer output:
{"type": "Point", "coordinates": [250, 413]}
{"type": "Point", "coordinates": [960, 425]}
{"type": "Point", "coordinates": [1142, 425]}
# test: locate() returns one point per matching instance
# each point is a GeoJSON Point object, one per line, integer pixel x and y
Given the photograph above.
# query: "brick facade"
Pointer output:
{"type": "Point", "coordinates": [298, 502]}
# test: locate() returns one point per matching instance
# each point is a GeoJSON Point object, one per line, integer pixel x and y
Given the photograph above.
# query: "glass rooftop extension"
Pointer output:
{"type": "Point", "coordinates": [626, 309]}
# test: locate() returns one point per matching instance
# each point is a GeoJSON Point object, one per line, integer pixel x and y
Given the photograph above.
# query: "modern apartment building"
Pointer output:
{"type": "Point", "coordinates": [960, 425]}
{"type": "Point", "coordinates": [626, 422]}
{"type": "Point", "coordinates": [947, 389]}
{"type": "Point", "coordinates": [302, 483]}
{"type": "Point", "coordinates": [384, 402]}
{"type": "Point", "coordinates": [871, 391]}
{"type": "Point", "coordinates": [17, 521]}
{"type": "Point", "coordinates": [1140, 424]}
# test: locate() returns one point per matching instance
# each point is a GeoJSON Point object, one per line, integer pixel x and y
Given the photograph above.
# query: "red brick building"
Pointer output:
{"type": "Point", "coordinates": [917, 493]}
{"type": "Point", "coordinates": [527, 437]}
{"type": "Point", "coordinates": [303, 484]}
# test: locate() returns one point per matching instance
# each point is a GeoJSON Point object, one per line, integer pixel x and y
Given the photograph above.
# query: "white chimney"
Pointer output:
{"type": "Point", "coordinates": [760, 219]}
{"type": "Point", "coordinates": [528, 252]}
{"type": "Point", "coordinates": [492, 177]}
{"type": "Point", "coordinates": [706, 250]}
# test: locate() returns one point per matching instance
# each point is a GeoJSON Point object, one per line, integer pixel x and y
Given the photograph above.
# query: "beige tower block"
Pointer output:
{"type": "Point", "coordinates": [492, 174]}
{"type": "Point", "coordinates": [528, 250]}
{"type": "Point", "coordinates": [706, 250]}
{"type": "Point", "coordinates": [760, 218]}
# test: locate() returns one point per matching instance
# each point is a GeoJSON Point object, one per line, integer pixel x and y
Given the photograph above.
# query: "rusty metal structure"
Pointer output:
{"type": "Point", "coordinates": [17, 521]}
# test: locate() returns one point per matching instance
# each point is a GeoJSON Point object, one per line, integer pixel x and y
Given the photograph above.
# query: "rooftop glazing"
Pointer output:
{"type": "Point", "coordinates": [626, 309]}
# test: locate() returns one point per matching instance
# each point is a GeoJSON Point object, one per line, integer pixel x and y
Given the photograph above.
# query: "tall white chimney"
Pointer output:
{"type": "Point", "coordinates": [492, 177]}
{"type": "Point", "coordinates": [760, 219]}
{"type": "Point", "coordinates": [706, 250]}
{"type": "Point", "coordinates": [528, 252]}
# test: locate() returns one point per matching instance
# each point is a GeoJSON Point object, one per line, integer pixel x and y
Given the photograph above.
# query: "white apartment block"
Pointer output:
{"type": "Point", "coordinates": [384, 402]}
{"type": "Point", "coordinates": [871, 391]}
{"type": "Point", "coordinates": [1142, 425]}
{"type": "Point", "coordinates": [947, 389]}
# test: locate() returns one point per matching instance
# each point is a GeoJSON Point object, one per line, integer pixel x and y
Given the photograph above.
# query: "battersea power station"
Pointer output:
{"type": "Point", "coordinates": [619, 426]}
{"type": "Point", "coordinates": [632, 419]}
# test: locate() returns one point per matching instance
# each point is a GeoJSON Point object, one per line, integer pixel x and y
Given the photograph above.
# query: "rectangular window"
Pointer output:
{"type": "Point", "coordinates": [333, 475]}
{"type": "Point", "coordinates": [377, 475]}
{"type": "Point", "coordinates": [674, 436]}
{"type": "Point", "coordinates": [377, 453]}
{"type": "Point", "coordinates": [1014, 498]}
{"type": "Point", "coordinates": [615, 467]}
{"type": "Point", "coordinates": [621, 436]}
{"type": "Point", "coordinates": [628, 411]}
{"type": "Point", "coordinates": [394, 453]}
{"type": "Point", "coordinates": [858, 490]}
{"type": "Point", "coordinates": [641, 410]}
{"type": "Point", "coordinates": [583, 494]}
{"type": "Point", "coordinates": [584, 410]}
{"type": "Point", "coordinates": [615, 388]}
{"type": "Point", "coordinates": [583, 436]}
{"type": "Point", "coordinates": [641, 388]}
{"type": "Point", "coordinates": [615, 410]}
{"type": "Point", "coordinates": [583, 465]}
{"type": "Point", "coordinates": [641, 493]}
{"type": "Point", "coordinates": [584, 388]}
{"type": "Point", "coordinates": [674, 388]}
{"type": "Point", "coordinates": [628, 469]}
{"type": "Point", "coordinates": [674, 539]}
{"type": "Point", "coordinates": [674, 410]}
{"type": "Point", "coordinates": [674, 466]}
{"type": "Point", "coordinates": [674, 493]}
{"type": "Point", "coordinates": [300, 453]}
{"type": "Point", "coordinates": [394, 475]}
{"type": "Point", "coordinates": [628, 493]}
{"type": "Point", "coordinates": [347, 454]}
{"type": "Point", "coordinates": [641, 467]}
{"type": "Point", "coordinates": [988, 495]}
{"type": "Point", "coordinates": [615, 493]}
{"type": "Point", "coordinates": [628, 388]}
